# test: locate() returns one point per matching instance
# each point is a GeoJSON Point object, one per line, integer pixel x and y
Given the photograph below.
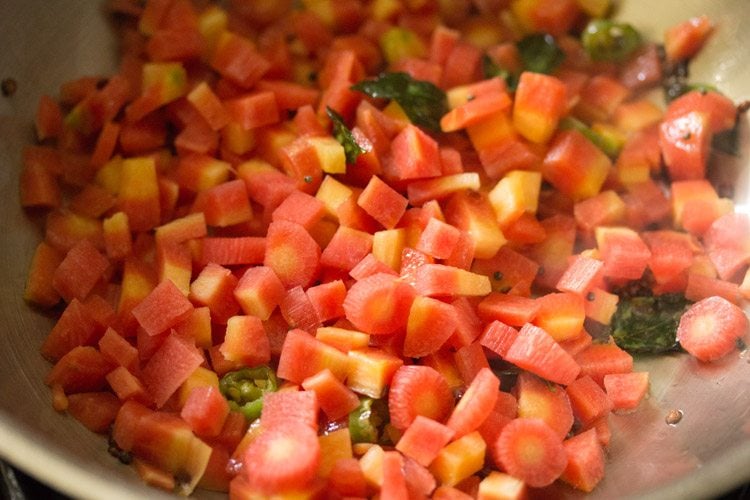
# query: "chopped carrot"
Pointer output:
{"type": "Point", "coordinates": [531, 451]}
{"type": "Point", "coordinates": [418, 390]}
{"type": "Point", "coordinates": [282, 458]}
{"type": "Point", "coordinates": [476, 403]}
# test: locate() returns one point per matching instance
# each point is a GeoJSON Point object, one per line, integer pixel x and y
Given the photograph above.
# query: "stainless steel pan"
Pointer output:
{"type": "Point", "coordinates": [46, 42]}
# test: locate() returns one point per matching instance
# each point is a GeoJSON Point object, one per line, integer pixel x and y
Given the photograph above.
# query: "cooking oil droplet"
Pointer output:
{"type": "Point", "coordinates": [673, 417]}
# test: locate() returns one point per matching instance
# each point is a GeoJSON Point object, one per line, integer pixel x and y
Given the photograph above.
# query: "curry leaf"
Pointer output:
{"type": "Point", "coordinates": [648, 323]}
{"type": "Point", "coordinates": [423, 102]}
{"type": "Point", "coordinates": [341, 132]}
{"type": "Point", "coordinates": [540, 53]}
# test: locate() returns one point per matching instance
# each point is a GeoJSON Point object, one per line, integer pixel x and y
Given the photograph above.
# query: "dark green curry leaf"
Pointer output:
{"type": "Point", "coordinates": [341, 132]}
{"type": "Point", "coordinates": [648, 323]}
{"type": "Point", "coordinates": [423, 102]}
{"type": "Point", "coordinates": [540, 53]}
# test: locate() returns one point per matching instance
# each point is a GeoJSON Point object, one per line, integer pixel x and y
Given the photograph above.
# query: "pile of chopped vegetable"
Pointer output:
{"type": "Point", "coordinates": [379, 247]}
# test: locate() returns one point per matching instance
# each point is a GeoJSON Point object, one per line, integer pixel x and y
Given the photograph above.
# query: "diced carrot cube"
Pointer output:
{"type": "Point", "coordinates": [236, 59]}
{"type": "Point", "coordinates": [624, 253]}
{"type": "Point", "coordinates": [138, 195]}
{"type": "Point", "coordinates": [431, 322]}
{"type": "Point", "coordinates": [459, 459]}
{"type": "Point", "coordinates": [476, 404]}
{"type": "Point", "coordinates": [174, 263]}
{"type": "Point", "coordinates": [246, 341]}
{"type": "Point", "coordinates": [684, 40]}
{"type": "Point", "coordinates": [626, 390]}
{"type": "Point", "coordinates": [214, 287]}
{"type": "Point", "coordinates": [424, 439]}
{"type": "Point", "coordinates": [197, 172]}
{"type": "Point", "coordinates": [138, 279]}
{"type": "Point", "coordinates": [63, 229]}
{"type": "Point", "coordinates": [205, 410]}
{"type": "Point", "coordinates": [300, 208]}
{"type": "Point", "coordinates": [303, 356]}
{"type": "Point", "coordinates": [438, 279]}
{"type": "Point", "coordinates": [169, 367]}
{"type": "Point", "coordinates": [472, 213]}
{"type": "Point", "coordinates": [498, 337]}
{"type": "Point", "coordinates": [105, 144]}
{"type": "Point", "coordinates": [598, 360]}
{"type": "Point", "coordinates": [346, 478]}
{"type": "Point", "coordinates": [415, 155]}
{"type": "Point", "coordinates": [95, 410]}
{"type": "Point", "coordinates": [470, 360]}
{"type": "Point", "coordinates": [208, 105]}
{"type": "Point", "coordinates": [39, 287]}
{"type": "Point", "coordinates": [371, 371]}
{"type": "Point", "coordinates": [382, 202]}
{"type": "Point", "coordinates": [438, 188]}
{"type": "Point", "coordinates": [347, 248]}
{"type": "Point", "coordinates": [259, 291]}
{"type": "Point", "coordinates": [709, 329]}
{"type": "Point", "coordinates": [575, 166]}
{"type": "Point", "coordinates": [536, 351]}
{"type": "Point", "coordinates": [182, 229]}
{"type": "Point", "coordinates": [583, 273]}
{"type": "Point", "coordinates": [197, 326]}
{"type": "Point", "coordinates": [118, 350]}
{"type": "Point", "coordinates": [438, 239]}
{"type": "Point", "coordinates": [225, 204]}
{"type": "Point", "coordinates": [298, 311]}
{"type": "Point", "coordinates": [79, 271]}
{"type": "Point", "coordinates": [599, 98]}
{"type": "Point", "coordinates": [561, 314]}
{"type": "Point", "coordinates": [601, 305]}
{"type": "Point", "coordinates": [38, 185]}
{"type": "Point", "coordinates": [233, 251]}
{"type": "Point", "coordinates": [75, 327]}
{"type": "Point", "coordinates": [328, 299]}
{"type": "Point", "coordinates": [540, 102]}
{"type": "Point", "coordinates": [82, 369]}
{"type": "Point", "coordinates": [290, 408]}
{"type": "Point", "coordinates": [515, 310]}
{"type": "Point", "coordinates": [292, 253]}
{"type": "Point", "coordinates": [586, 461]}
{"type": "Point", "coordinates": [163, 308]}
{"type": "Point", "coordinates": [588, 399]}
{"type": "Point", "coordinates": [499, 485]}
{"type": "Point", "coordinates": [335, 399]}
{"type": "Point", "coordinates": [394, 482]}
{"type": "Point", "coordinates": [475, 110]}
{"type": "Point", "coordinates": [604, 208]}
{"type": "Point", "coordinates": [334, 447]}
{"type": "Point", "coordinates": [342, 339]}
{"type": "Point", "coordinates": [118, 242]}
{"type": "Point", "coordinates": [127, 386]}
